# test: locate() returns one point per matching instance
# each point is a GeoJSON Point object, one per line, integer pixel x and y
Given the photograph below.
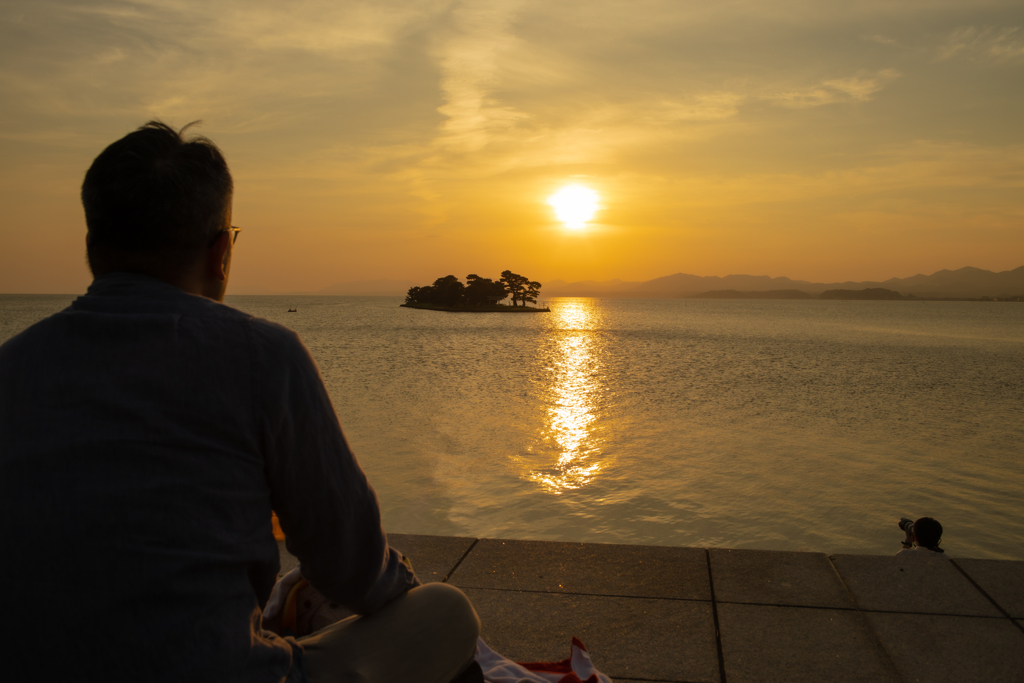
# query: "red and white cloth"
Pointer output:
{"type": "Point", "coordinates": [577, 668]}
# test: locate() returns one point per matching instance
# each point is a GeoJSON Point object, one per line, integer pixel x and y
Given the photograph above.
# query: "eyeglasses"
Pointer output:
{"type": "Point", "coordinates": [234, 234]}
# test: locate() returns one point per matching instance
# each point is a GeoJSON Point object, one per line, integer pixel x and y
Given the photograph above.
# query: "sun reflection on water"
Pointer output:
{"type": "Point", "coordinates": [569, 455]}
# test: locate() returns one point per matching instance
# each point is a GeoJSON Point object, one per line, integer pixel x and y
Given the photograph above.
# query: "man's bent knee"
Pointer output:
{"type": "Point", "coordinates": [452, 614]}
{"type": "Point", "coordinates": [451, 609]}
{"type": "Point", "coordinates": [428, 634]}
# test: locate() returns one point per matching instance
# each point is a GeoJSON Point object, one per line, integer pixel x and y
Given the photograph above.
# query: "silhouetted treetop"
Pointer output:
{"type": "Point", "coordinates": [520, 287]}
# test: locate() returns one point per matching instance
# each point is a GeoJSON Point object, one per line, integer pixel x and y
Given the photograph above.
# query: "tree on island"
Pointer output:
{"type": "Point", "coordinates": [446, 291]}
{"type": "Point", "coordinates": [483, 291]}
{"type": "Point", "coordinates": [416, 295]}
{"type": "Point", "coordinates": [531, 293]}
{"type": "Point", "coordinates": [520, 287]}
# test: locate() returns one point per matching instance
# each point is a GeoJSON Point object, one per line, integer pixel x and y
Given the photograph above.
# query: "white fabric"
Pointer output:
{"type": "Point", "coordinates": [498, 669]}
{"type": "Point", "coordinates": [280, 593]}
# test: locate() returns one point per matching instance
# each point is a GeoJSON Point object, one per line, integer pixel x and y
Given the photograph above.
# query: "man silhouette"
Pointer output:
{"type": "Point", "coordinates": [146, 434]}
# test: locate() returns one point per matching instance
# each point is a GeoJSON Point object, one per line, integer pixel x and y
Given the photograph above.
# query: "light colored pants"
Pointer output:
{"type": "Point", "coordinates": [426, 636]}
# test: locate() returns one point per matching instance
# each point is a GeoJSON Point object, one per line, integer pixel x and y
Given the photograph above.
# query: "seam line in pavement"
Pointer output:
{"type": "Point", "coordinates": [588, 595]}
{"type": "Point", "coordinates": [714, 613]}
{"type": "Point", "coordinates": [864, 620]}
{"type": "Point", "coordinates": [775, 604]}
{"type": "Point", "coordinates": [464, 556]}
{"type": "Point", "coordinates": [990, 599]}
{"type": "Point", "coordinates": [866, 611]}
{"type": "Point", "coordinates": [930, 614]}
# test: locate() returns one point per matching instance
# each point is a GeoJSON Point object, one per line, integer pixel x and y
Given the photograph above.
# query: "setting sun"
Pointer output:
{"type": "Point", "coordinates": [574, 205]}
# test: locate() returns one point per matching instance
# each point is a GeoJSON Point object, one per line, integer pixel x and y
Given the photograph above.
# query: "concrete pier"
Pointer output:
{"type": "Point", "coordinates": [652, 613]}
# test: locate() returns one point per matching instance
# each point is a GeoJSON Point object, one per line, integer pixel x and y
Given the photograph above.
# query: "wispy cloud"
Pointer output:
{"type": "Point", "coordinates": [189, 58]}
{"type": "Point", "coordinates": [857, 88]}
{"type": "Point", "coordinates": [985, 43]}
{"type": "Point", "coordinates": [471, 59]}
{"type": "Point", "coordinates": [712, 106]}
{"type": "Point", "coordinates": [318, 26]}
{"type": "Point", "coordinates": [881, 40]}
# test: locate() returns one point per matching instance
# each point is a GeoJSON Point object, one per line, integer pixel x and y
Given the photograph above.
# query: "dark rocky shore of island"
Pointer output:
{"type": "Point", "coordinates": [499, 308]}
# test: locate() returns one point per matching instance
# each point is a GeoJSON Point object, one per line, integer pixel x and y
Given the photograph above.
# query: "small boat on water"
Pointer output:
{"type": "Point", "coordinates": [293, 310]}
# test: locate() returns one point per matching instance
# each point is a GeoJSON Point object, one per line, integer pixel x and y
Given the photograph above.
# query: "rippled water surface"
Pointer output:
{"type": "Point", "coordinates": [801, 425]}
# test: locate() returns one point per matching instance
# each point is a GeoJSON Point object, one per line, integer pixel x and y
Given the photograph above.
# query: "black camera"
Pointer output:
{"type": "Point", "coordinates": [907, 525]}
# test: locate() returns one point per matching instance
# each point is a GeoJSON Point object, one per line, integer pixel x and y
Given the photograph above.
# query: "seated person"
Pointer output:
{"type": "Point", "coordinates": [146, 434]}
{"type": "Point", "coordinates": [923, 539]}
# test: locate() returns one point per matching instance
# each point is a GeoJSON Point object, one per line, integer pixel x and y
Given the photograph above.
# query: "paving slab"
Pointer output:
{"type": "Point", "coordinates": [911, 584]}
{"type": "Point", "coordinates": [433, 557]}
{"type": "Point", "coordinates": [767, 643]}
{"type": "Point", "coordinates": [590, 568]}
{"type": "Point", "coordinates": [628, 638]}
{"type": "Point", "coordinates": [777, 578]}
{"type": "Point", "coordinates": [951, 648]}
{"type": "Point", "coordinates": [1003, 580]}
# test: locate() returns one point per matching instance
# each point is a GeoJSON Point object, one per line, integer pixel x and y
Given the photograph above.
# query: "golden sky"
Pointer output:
{"type": "Point", "coordinates": [818, 140]}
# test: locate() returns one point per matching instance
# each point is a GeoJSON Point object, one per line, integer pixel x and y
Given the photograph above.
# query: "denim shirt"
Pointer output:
{"type": "Point", "coordinates": [145, 436]}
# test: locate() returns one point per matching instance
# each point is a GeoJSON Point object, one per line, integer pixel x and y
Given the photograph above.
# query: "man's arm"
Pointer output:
{"type": "Point", "coordinates": [327, 509]}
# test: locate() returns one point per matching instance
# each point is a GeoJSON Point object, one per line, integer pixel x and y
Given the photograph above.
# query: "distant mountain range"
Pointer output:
{"type": "Point", "coordinates": [966, 283]}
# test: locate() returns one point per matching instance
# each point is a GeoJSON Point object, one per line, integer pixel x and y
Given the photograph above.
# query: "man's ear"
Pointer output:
{"type": "Point", "coordinates": [218, 256]}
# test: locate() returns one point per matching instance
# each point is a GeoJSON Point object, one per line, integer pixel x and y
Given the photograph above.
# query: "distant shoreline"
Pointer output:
{"type": "Point", "coordinates": [870, 294]}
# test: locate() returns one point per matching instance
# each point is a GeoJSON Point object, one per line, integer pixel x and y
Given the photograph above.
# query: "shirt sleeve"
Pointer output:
{"type": "Point", "coordinates": [327, 509]}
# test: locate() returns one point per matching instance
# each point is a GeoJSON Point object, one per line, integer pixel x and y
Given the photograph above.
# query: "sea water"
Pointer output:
{"type": "Point", "coordinates": [791, 425]}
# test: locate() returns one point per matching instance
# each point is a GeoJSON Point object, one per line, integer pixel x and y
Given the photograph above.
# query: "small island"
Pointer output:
{"type": "Point", "coordinates": [478, 295]}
